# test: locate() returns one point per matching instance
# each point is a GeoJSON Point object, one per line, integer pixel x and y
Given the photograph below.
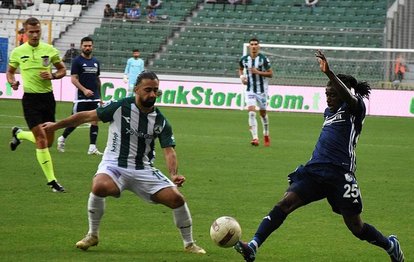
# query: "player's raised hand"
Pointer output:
{"type": "Point", "coordinates": [323, 63]}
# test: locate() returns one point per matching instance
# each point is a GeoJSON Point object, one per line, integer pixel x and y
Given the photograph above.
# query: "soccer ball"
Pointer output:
{"type": "Point", "coordinates": [225, 231]}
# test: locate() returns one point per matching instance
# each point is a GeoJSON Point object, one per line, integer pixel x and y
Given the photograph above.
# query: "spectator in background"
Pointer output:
{"type": "Point", "coordinates": [7, 4]}
{"type": "Point", "coordinates": [120, 11]}
{"type": "Point", "coordinates": [20, 4]}
{"type": "Point", "coordinates": [21, 37]}
{"type": "Point", "coordinates": [400, 68]}
{"type": "Point", "coordinates": [135, 12]}
{"type": "Point", "coordinates": [152, 7]}
{"type": "Point", "coordinates": [109, 12]}
{"type": "Point", "coordinates": [151, 15]}
{"type": "Point", "coordinates": [234, 2]}
{"type": "Point", "coordinates": [312, 4]}
{"type": "Point", "coordinates": [154, 4]}
{"type": "Point", "coordinates": [70, 54]}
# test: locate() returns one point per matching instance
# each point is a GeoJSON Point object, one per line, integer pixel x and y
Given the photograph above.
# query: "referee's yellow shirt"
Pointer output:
{"type": "Point", "coordinates": [32, 61]}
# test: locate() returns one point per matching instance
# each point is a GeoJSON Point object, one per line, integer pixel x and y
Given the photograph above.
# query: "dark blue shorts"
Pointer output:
{"type": "Point", "coordinates": [84, 106]}
{"type": "Point", "coordinates": [338, 186]}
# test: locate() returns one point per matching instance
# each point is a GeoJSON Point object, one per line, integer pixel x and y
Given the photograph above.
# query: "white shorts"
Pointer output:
{"type": "Point", "coordinates": [144, 183]}
{"type": "Point", "coordinates": [254, 99]}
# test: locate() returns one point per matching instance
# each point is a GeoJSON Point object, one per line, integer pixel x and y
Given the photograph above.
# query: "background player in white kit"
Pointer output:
{"type": "Point", "coordinates": [258, 70]}
{"type": "Point", "coordinates": [127, 163]}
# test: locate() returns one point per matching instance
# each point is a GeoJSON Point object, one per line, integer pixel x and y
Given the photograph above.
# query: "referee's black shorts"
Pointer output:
{"type": "Point", "coordinates": [38, 108]}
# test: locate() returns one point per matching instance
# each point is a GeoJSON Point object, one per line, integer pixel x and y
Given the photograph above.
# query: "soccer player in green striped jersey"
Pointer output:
{"type": "Point", "coordinates": [254, 71]}
{"type": "Point", "coordinates": [127, 163]}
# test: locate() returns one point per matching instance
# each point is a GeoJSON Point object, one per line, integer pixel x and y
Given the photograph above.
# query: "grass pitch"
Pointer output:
{"type": "Point", "coordinates": [225, 176]}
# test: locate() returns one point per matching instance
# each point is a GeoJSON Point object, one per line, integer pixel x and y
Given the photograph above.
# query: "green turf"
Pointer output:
{"type": "Point", "coordinates": [225, 176]}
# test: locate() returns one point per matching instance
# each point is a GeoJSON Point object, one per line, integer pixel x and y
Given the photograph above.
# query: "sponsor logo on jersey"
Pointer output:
{"type": "Point", "coordinates": [348, 177]}
{"type": "Point", "coordinates": [157, 129]}
{"type": "Point", "coordinates": [114, 145]}
{"type": "Point", "coordinates": [127, 119]}
{"type": "Point", "coordinates": [136, 132]}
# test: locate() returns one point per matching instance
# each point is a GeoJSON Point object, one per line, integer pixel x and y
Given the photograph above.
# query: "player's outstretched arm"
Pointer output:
{"type": "Point", "coordinates": [73, 120]}
{"type": "Point", "coordinates": [343, 91]}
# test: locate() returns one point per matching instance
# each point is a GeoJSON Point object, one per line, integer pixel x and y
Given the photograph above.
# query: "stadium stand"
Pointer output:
{"type": "Point", "coordinates": [207, 38]}
{"type": "Point", "coordinates": [218, 31]}
{"type": "Point", "coordinates": [60, 17]}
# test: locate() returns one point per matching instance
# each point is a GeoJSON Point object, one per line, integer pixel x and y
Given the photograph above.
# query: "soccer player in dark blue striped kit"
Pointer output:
{"type": "Point", "coordinates": [330, 173]}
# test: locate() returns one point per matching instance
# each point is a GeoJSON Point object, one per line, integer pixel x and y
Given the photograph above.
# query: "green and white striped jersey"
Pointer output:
{"type": "Point", "coordinates": [132, 134]}
{"type": "Point", "coordinates": [255, 83]}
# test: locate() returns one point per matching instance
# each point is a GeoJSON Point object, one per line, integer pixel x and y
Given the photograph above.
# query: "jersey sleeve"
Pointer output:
{"type": "Point", "coordinates": [14, 59]}
{"type": "Point", "coordinates": [241, 62]}
{"type": "Point", "coordinates": [55, 57]}
{"type": "Point", "coordinates": [98, 73]}
{"type": "Point", "coordinates": [107, 110]}
{"type": "Point", "coordinates": [266, 63]}
{"type": "Point", "coordinates": [126, 71]}
{"type": "Point", "coordinates": [74, 69]}
{"type": "Point", "coordinates": [166, 137]}
{"type": "Point", "coordinates": [142, 66]}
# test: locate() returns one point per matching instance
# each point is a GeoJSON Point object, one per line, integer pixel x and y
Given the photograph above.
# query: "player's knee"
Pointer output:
{"type": "Point", "coordinates": [252, 114]}
{"type": "Point", "coordinates": [169, 197]}
{"type": "Point", "coordinates": [176, 201]}
{"type": "Point", "coordinates": [357, 231]}
{"type": "Point", "coordinates": [285, 207]}
{"type": "Point", "coordinates": [289, 203]}
{"type": "Point", "coordinates": [42, 142]}
{"type": "Point", "coordinates": [104, 187]}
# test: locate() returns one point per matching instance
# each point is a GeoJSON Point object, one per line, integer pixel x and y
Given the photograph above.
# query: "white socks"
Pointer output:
{"type": "Point", "coordinates": [253, 124]}
{"type": "Point", "coordinates": [96, 208]}
{"type": "Point", "coordinates": [265, 123]}
{"type": "Point", "coordinates": [183, 221]}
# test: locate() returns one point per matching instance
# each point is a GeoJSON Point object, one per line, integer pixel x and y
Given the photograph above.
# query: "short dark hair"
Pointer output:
{"type": "Point", "coordinates": [86, 39]}
{"type": "Point", "coordinates": [254, 39]}
{"type": "Point", "coordinates": [135, 50]}
{"type": "Point", "coordinates": [146, 75]}
{"type": "Point", "coordinates": [33, 21]}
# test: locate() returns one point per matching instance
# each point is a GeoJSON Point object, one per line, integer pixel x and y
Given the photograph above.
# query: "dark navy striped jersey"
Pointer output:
{"type": "Point", "coordinates": [256, 83]}
{"type": "Point", "coordinates": [88, 71]}
{"type": "Point", "coordinates": [132, 134]}
{"type": "Point", "coordinates": [337, 141]}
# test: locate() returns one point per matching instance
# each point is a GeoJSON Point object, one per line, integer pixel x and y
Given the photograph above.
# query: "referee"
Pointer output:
{"type": "Point", "coordinates": [35, 60]}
